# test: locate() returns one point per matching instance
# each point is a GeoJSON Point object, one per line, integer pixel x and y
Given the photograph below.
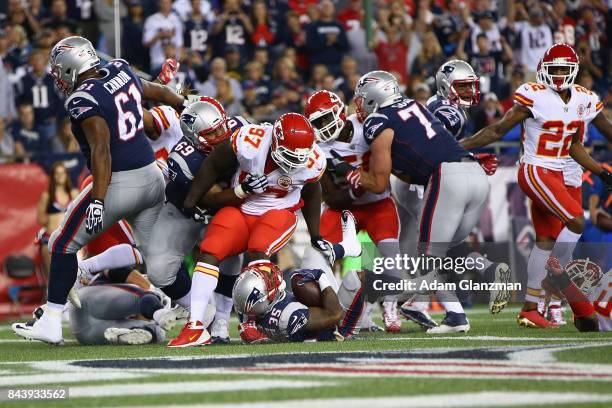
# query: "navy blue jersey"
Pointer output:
{"type": "Point", "coordinates": [286, 321]}
{"type": "Point", "coordinates": [420, 142]}
{"type": "Point", "coordinates": [116, 97]}
{"type": "Point", "coordinates": [196, 35]}
{"type": "Point", "coordinates": [41, 93]}
{"type": "Point", "coordinates": [185, 160]}
{"type": "Point", "coordinates": [452, 116]}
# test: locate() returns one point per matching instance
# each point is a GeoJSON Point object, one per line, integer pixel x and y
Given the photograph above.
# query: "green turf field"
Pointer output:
{"type": "Point", "coordinates": [496, 364]}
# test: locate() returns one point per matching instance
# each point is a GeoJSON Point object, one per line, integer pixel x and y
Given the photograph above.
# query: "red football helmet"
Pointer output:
{"type": "Point", "coordinates": [558, 67]}
{"type": "Point", "coordinates": [293, 140]}
{"type": "Point", "coordinates": [204, 123]}
{"type": "Point", "coordinates": [327, 114]}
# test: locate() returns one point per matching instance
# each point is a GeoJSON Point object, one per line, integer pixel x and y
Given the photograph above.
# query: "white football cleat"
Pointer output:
{"type": "Point", "coordinates": [117, 335]}
{"type": "Point", "coordinates": [498, 299]}
{"type": "Point", "coordinates": [47, 329]}
{"type": "Point", "coordinates": [555, 315]}
{"type": "Point", "coordinates": [220, 332]}
{"type": "Point", "coordinates": [350, 242]}
{"type": "Point", "coordinates": [169, 317]}
{"type": "Point", "coordinates": [393, 324]}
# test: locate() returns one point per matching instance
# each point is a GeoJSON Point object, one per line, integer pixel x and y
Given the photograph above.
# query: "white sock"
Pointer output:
{"type": "Point", "coordinates": [118, 256]}
{"type": "Point", "coordinates": [449, 301]}
{"type": "Point", "coordinates": [205, 277]}
{"type": "Point", "coordinates": [157, 314]}
{"type": "Point", "coordinates": [54, 312]}
{"type": "Point", "coordinates": [185, 301]}
{"type": "Point", "coordinates": [535, 273]}
{"type": "Point", "coordinates": [224, 307]}
{"type": "Point", "coordinates": [313, 259]}
{"type": "Point", "coordinates": [554, 303]}
{"type": "Point", "coordinates": [565, 245]}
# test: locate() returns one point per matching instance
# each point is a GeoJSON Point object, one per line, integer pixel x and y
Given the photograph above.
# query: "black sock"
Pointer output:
{"type": "Point", "coordinates": [149, 304]}
{"type": "Point", "coordinates": [181, 285]}
{"type": "Point", "coordinates": [62, 275]}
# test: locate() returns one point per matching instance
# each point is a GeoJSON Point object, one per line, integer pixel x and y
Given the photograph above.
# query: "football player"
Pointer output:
{"type": "Point", "coordinates": [204, 125]}
{"type": "Point", "coordinates": [457, 90]}
{"type": "Point", "coordinates": [283, 316]}
{"type": "Point", "coordinates": [105, 109]}
{"type": "Point", "coordinates": [554, 114]}
{"type": "Point", "coordinates": [279, 167]}
{"type": "Point", "coordinates": [342, 136]}
{"type": "Point", "coordinates": [586, 289]}
{"type": "Point", "coordinates": [407, 140]}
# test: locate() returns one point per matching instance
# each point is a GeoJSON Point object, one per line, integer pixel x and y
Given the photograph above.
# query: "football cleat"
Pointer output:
{"type": "Point", "coordinates": [366, 324]}
{"type": "Point", "coordinates": [193, 334]}
{"type": "Point", "coordinates": [170, 317]}
{"type": "Point", "coordinates": [452, 323]}
{"type": "Point", "coordinates": [420, 317]}
{"type": "Point", "coordinates": [220, 332]}
{"type": "Point", "coordinates": [350, 242]}
{"type": "Point", "coordinates": [45, 329]}
{"type": "Point", "coordinates": [555, 315]}
{"type": "Point", "coordinates": [532, 318]}
{"type": "Point", "coordinates": [498, 299]}
{"type": "Point", "coordinates": [392, 322]}
{"type": "Point", "coordinates": [117, 335]}
{"type": "Point", "coordinates": [250, 334]}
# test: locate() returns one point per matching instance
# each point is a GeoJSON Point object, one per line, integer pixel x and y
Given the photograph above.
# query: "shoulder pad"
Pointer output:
{"type": "Point", "coordinates": [451, 117]}
{"type": "Point", "coordinates": [236, 122]}
{"type": "Point", "coordinates": [526, 94]}
{"type": "Point", "coordinates": [374, 124]}
{"type": "Point", "coordinates": [165, 117]}
{"type": "Point", "coordinates": [248, 140]}
{"type": "Point", "coordinates": [82, 104]}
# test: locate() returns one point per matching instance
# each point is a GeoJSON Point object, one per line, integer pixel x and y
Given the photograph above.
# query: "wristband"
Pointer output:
{"type": "Point", "coordinates": [324, 282]}
{"type": "Point", "coordinates": [239, 191]}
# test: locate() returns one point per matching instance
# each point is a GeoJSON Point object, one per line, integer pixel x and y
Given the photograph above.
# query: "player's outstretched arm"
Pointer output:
{"type": "Point", "coordinates": [376, 179]}
{"type": "Point", "coordinates": [221, 160]}
{"type": "Point", "coordinates": [336, 198]}
{"type": "Point", "coordinates": [98, 136]}
{"type": "Point", "coordinates": [162, 94]}
{"type": "Point", "coordinates": [496, 131]}
{"type": "Point", "coordinates": [311, 194]}
{"type": "Point", "coordinates": [603, 125]}
{"type": "Point", "coordinates": [328, 315]}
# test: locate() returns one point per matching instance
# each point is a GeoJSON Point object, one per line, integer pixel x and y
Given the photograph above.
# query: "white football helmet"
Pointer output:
{"type": "Point", "coordinates": [457, 82]}
{"type": "Point", "coordinates": [257, 289]}
{"type": "Point", "coordinates": [204, 123]}
{"type": "Point", "coordinates": [375, 90]}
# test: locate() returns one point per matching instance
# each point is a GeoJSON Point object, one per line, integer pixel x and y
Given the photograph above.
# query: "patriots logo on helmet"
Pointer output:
{"type": "Point", "coordinates": [448, 69]}
{"type": "Point", "coordinates": [254, 297]}
{"type": "Point", "coordinates": [59, 49]}
{"type": "Point", "coordinates": [367, 80]}
{"type": "Point", "coordinates": [188, 119]}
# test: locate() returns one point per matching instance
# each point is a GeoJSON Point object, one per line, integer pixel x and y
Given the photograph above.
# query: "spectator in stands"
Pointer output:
{"type": "Point", "coordinates": [429, 60]}
{"type": "Point", "coordinates": [52, 205]}
{"type": "Point", "coordinates": [233, 27]}
{"type": "Point", "coordinates": [586, 62]}
{"type": "Point", "coordinates": [105, 15]}
{"type": "Point", "coordinates": [26, 134]}
{"type": "Point", "coordinates": [449, 27]}
{"type": "Point", "coordinates": [18, 46]}
{"type": "Point", "coordinates": [38, 89]}
{"type": "Point", "coordinates": [326, 40]}
{"type": "Point", "coordinates": [564, 25]}
{"type": "Point", "coordinates": [421, 92]}
{"type": "Point", "coordinates": [233, 63]}
{"type": "Point", "coordinates": [487, 114]}
{"type": "Point", "coordinates": [264, 28]}
{"type": "Point", "coordinates": [352, 18]}
{"type": "Point", "coordinates": [7, 97]}
{"type": "Point", "coordinates": [8, 148]}
{"type": "Point", "coordinates": [294, 36]}
{"type": "Point", "coordinates": [262, 56]}
{"type": "Point", "coordinates": [534, 35]}
{"type": "Point", "coordinates": [67, 141]}
{"type": "Point", "coordinates": [316, 78]}
{"type": "Point", "coordinates": [185, 9]}
{"type": "Point", "coordinates": [256, 83]}
{"type": "Point", "coordinates": [197, 29]}
{"type": "Point", "coordinates": [218, 71]}
{"type": "Point", "coordinates": [159, 29]}
{"type": "Point", "coordinates": [59, 16]}
{"type": "Point", "coordinates": [483, 23]}
{"type": "Point", "coordinates": [390, 43]}
{"type": "Point", "coordinates": [224, 94]}
{"type": "Point", "coordinates": [488, 63]}
{"type": "Point", "coordinates": [348, 68]}
{"type": "Point", "coordinates": [27, 17]}
{"type": "Point", "coordinates": [287, 88]}
{"type": "Point", "coordinates": [132, 30]}
{"type": "Point", "coordinates": [82, 12]}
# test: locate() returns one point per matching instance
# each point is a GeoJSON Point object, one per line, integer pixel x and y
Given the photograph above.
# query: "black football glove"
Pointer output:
{"type": "Point", "coordinates": [198, 214]}
{"type": "Point", "coordinates": [338, 165]}
{"type": "Point", "coordinates": [94, 216]}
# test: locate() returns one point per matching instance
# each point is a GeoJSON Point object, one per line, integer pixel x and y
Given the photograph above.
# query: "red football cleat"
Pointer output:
{"type": "Point", "coordinates": [393, 323]}
{"type": "Point", "coordinates": [531, 318]}
{"type": "Point", "coordinates": [250, 334]}
{"type": "Point", "coordinates": [193, 334]}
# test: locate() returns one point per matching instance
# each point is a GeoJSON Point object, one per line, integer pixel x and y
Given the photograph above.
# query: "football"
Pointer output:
{"type": "Point", "coordinates": [308, 293]}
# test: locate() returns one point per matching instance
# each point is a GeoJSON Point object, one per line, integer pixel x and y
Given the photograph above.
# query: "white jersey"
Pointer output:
{"type": "Point", "coordinates": [602, 295]}
{"type": "Point", "coordinates": [547, 136]}
{"type": "Point", "coordinates": [534, 40]}
{"type": "Point", "coordinates": [251, 144]}
{"type": "Point", "coordinates": [356, 152]}
{"type": "Point", "coordinates": [167, 122]}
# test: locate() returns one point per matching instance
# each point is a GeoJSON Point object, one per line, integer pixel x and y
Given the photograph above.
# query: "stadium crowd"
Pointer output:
{"type": "Point", "coordinates": [263, 58]}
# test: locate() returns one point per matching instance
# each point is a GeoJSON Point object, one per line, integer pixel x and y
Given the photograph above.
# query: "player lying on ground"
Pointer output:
{"type": "Point", "coordinates": [341, 136]}
{"type": "Point", "coordinates": [588, 293]}
{"type": "Point", "coordinates": [554, 114]}
{"type": "Point", "coordinates": [105, 109]}
{"type": "Point", "coordinates": [117, 306]}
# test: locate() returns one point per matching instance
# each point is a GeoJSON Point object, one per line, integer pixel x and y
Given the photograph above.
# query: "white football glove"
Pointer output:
{"type": "Point", "coordinates": [94, 216]}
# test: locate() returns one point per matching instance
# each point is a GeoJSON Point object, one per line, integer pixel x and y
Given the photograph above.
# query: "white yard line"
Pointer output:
{"type": "Point", "coordinates": [491, 338]}
{"type": "Point", "coordinates": [187, 387]}
{"type": "Point", "coordinates": [52, 378]}
{"type": "Point", "coordinates": [480, 399]}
